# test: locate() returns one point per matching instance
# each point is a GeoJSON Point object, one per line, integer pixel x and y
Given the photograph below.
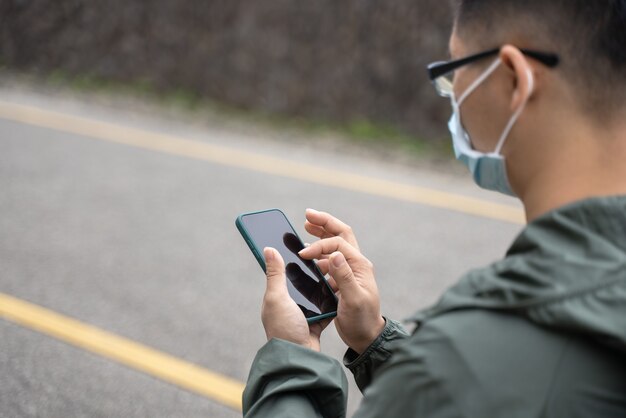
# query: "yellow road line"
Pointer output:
{"type": "Point", "coordinates": [256, 162]}
{"type": "Point", "coordinates": [187, 375]}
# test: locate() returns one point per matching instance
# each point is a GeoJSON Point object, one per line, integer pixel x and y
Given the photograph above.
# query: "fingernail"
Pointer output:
{"type": "Point", "coordinates": [268, 253]}
{"type": "Point", "coordinates": [338, 259]}
{"type": "Point", "coordinates": [312, 210]}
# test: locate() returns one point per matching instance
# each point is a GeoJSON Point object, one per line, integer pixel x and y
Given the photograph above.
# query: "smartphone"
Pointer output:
{"type": "Point", "coordinates": [305, 282]}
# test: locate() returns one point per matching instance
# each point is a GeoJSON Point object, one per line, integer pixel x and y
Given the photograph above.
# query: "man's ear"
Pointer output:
{"type": "Point", "coordinates": [522, 75]}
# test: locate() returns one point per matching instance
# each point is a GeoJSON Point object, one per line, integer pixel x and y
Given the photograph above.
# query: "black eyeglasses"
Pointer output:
{"type": "Point", "coordinates": [437, 71]}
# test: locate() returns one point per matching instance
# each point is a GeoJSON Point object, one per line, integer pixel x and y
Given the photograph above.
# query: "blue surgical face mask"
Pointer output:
{"type": "Point", "coordinates": [488, 169]}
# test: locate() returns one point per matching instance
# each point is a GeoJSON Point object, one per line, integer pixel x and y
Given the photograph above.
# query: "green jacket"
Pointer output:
{"type": "Point", "coordinates": [541, 333]}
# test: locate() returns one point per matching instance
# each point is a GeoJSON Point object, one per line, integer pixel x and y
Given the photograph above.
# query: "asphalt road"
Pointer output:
{"type": "Point", "coordinates": [142, 243]}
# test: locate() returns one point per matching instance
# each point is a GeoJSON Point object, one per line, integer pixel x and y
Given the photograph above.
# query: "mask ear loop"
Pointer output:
{"type": "Point", "coordinates": [509, 126]}
{"type": "Point", "coordinates": [478, 81]}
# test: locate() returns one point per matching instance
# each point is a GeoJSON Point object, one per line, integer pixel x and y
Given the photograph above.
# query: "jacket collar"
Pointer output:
{"type": "Point", "coordinates": [566, 270]}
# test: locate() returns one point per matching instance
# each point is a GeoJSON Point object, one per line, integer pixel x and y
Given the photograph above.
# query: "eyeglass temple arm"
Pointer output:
{"type": "Point", "coordinates": [438, 69]}
{"type": "Point", "coordinates": [546, 58]}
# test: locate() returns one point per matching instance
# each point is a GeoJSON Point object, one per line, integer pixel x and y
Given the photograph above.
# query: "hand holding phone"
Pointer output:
{"type": "Point", "coordinates": [282, 318]}
{"type": "Point", "coordinates": [359, 320]}
{"type": "Point", "coordinates": [305, 283]}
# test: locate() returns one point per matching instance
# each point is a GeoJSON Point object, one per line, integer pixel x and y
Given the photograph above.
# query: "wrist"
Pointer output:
{"type": "Point", "coordinates": [313, 345]}
{"type": "Point", "coordinates": [374, 332]}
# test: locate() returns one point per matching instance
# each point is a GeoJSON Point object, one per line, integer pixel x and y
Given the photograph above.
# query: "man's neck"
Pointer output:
{"type": "Point", "coordinates": [587, 167]}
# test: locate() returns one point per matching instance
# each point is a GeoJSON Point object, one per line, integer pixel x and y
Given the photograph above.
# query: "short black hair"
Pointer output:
{"type": "Point", "coordinates": [588, 35]}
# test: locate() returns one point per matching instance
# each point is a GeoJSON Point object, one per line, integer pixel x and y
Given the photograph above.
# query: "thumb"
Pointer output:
{"type": "Point", "coordinates": [340, 270]}
{"type": "Point", "coordinates": [274, 270]}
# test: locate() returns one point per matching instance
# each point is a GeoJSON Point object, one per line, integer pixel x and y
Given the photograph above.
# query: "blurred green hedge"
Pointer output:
{"type": "Point", "coordinates": [328, 60]}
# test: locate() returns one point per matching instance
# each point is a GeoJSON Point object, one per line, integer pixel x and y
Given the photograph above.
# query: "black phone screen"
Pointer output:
{"type": "Point", "coordinates": [306, 285]}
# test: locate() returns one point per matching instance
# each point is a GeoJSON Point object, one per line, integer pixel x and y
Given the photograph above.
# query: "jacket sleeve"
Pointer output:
{"type": "Point", "coordinates": [408, 384]}
{"type": "Point", "coordinates": [288, 380]}
{"type": "Point", "coordinates": [365, 365]}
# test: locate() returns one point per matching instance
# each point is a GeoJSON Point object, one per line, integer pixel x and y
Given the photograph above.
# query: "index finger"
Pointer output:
{"type": "Point", "coordinates": [324, 225]}
{"type": "Point", "coordinates": [325, 247]}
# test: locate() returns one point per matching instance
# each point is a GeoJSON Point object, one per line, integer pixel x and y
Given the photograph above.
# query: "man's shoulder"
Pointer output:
{"type": "Point", "coordinates": [487, 344]}
{"type": "Point", "coordinates": [501, 364]}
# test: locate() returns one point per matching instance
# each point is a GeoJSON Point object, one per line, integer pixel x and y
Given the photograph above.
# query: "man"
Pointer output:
{"type": "Point", "coordinates": [539, 111]}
